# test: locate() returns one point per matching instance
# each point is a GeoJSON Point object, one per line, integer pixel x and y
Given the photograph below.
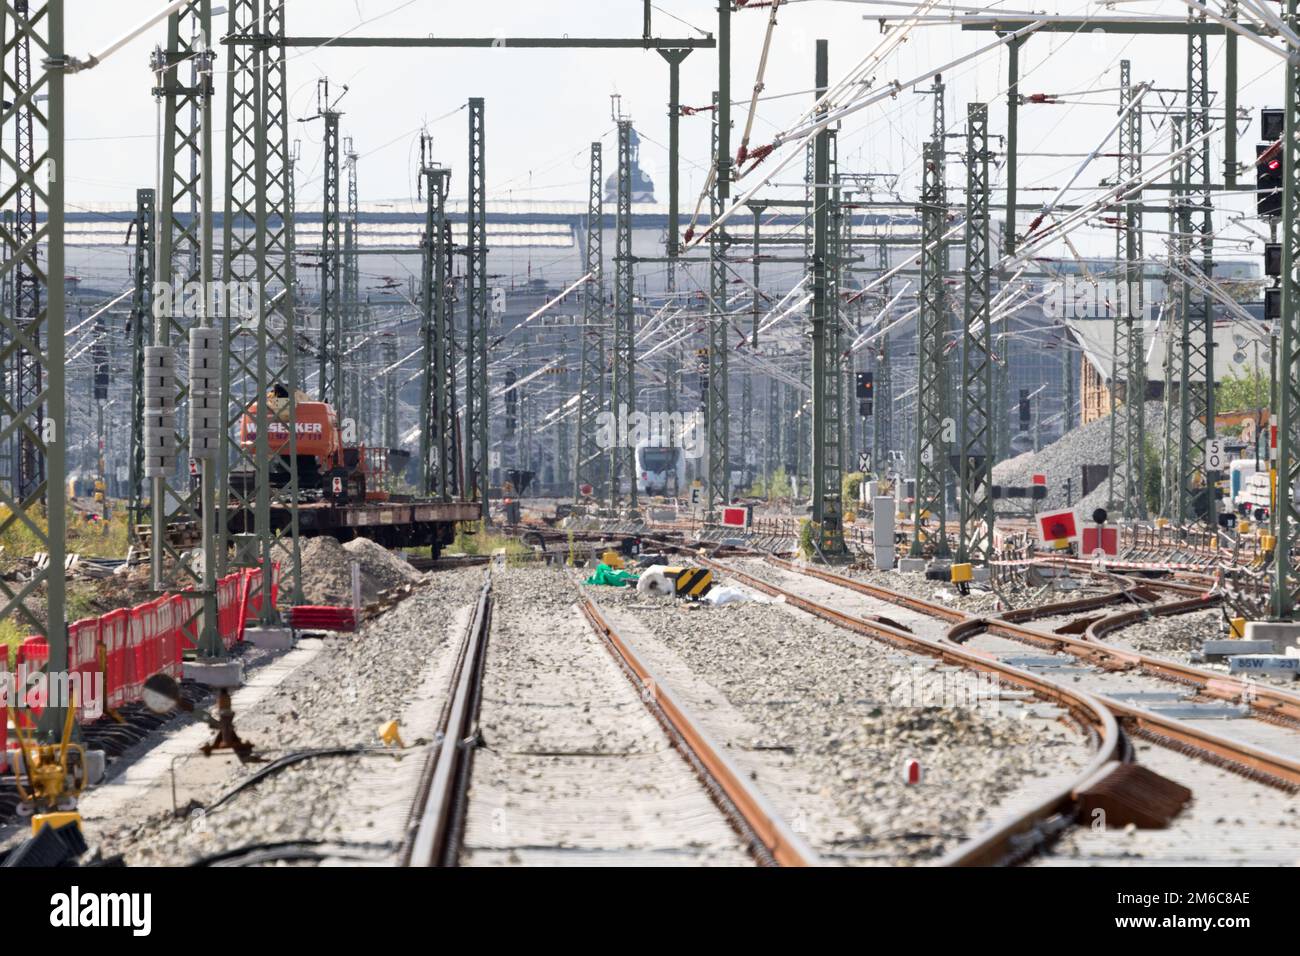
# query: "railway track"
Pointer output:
{"type": "Point", "coordinates": [950, 637]}
{"type": "Point", "coordinates": [439, 814]}
{"type": "Point", "coordinates": [693, 784]}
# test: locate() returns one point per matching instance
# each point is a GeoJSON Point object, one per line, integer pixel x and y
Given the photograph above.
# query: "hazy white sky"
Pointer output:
{"type": "Point", "coordinates": [545, 107]}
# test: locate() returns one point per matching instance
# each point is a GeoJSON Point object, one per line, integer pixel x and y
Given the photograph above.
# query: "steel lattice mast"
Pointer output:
{"type": "Point", "coordinates": [930, 426]}
{"type": "Point", "coordinates": [26, 369]}
{"type": "Point", "coordinates": [42, 26]}
{"type": "Point", "coordinates": [1133, 488]}
{"type": "Point", "coordinates": [330, 384]}
{"type": "Point", "coordinates": [141, 336]}
{"type": "Point", "coordinates": [827, 506]}
{"type": "Point", "coordinates": [437, 432]}
{"type": "Point", "coordinates": [1287, 355]}
{"type": "Point", "coordinates": [1196, 226]}
{"type": "Point", "coordinates": [717, 408]}
{"type": "Point", "coordinates": [589, 463]}
{"type": "Point", "coordinates": [180, 253]}
{"type": "Point", "coordinates": [476, 317]}
{"type": "Point", "coordinates": [622, 457]}
{"type": "Point", "coordinates": [259, 351]}
{"type": "Point", "coordinates": [975, 509]}
{"type": "Point", "coordinates": [351, 327]}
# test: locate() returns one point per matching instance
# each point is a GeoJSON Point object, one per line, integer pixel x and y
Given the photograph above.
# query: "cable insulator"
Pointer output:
{"type": "Point", "coordinates": [760, 154]}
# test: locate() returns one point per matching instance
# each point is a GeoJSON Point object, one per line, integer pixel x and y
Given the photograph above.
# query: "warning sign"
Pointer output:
{"type": "Point", "coordinates": [1058, 528]}
{"type": "Point", "coordinates": [1100, 540]}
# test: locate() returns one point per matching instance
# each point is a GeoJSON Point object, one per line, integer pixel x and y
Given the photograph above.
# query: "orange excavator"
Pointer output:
{"type": "Point", "coordinates": [326, 467]}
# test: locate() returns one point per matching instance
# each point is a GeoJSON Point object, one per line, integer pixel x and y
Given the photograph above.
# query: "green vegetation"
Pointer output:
{"type": "Point", "coordinates": [808, 535]}
{"type": "Point", "coordinates": [11, 635]}
{"type": "Point", "coordinates": [850, 487]}
{"type": "Point", "coordinates": [1151, 472]}
{"type": "Point", "coordinates": [1241, 393]}
{"type": "Point", "coordinates": [94, 539]}
{"type": "Point", "coordinates": [775, 488]}
{"type": "Point", "coordinates": [473, 538]}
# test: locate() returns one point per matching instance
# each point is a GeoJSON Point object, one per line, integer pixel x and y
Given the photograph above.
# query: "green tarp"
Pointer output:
{"type": "Point", "coordinates": [615, 578]}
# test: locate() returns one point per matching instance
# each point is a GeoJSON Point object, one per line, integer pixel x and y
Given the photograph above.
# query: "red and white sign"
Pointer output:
{"type": "Point", "coordinates": [736, 516]}
{"type": "Point", "coordinates": [338, 486]}
{"type": "Point", "coordinates": [1055, 527]}
{"type": "Point", "coordinates": [1272, 438]}
{"type": "Point", "coordinates": [1040, 479]}
{"type": "Point", "coordinates": [1103, 539]}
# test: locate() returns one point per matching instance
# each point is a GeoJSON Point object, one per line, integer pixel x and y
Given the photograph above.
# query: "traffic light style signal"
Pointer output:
{"type": "Point", "coordinates": [512, 403]}
{"type": "Point", "coordinates": [1272, 259]}
{"type": "Point", "coordinates": [1272, 124]}
{"type": "Point", "coordinates": [865, 386]}
{"type": "Point", "coordinates": [1268, 180]}
{"type": "Point", "coordinates": [1272, 305]}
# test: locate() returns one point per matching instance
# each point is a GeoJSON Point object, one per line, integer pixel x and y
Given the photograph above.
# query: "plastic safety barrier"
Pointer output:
{"type": "Point", "coordinates": [319, 617]}
{"type": "Point", "coordinates": [131, 644]}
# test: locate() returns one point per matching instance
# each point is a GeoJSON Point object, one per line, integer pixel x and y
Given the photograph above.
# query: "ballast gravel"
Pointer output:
{"type": "Point", "coordinates": [339, 698]}
{"type": "Point", "coordinates": [850, 713]}
{"type": "Point", "coordinates": [983, 598]}
{"type": "Point", "coordinates": [1181, 637]}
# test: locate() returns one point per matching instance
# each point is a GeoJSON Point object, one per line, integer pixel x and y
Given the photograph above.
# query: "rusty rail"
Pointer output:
{"type": "Point", "coordinates": [1013, 836]}
{"type": "Point", "coordinates": [770, 837]}
{"type": "Point", "coordinates": [1273, 768]}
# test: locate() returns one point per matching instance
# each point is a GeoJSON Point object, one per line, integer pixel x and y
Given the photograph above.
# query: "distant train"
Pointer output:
{"type": "Point", "coordinates": [659, 470]}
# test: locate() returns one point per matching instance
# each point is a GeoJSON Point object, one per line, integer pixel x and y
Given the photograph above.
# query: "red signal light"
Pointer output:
{"type": "Point", "coordinates": [1274, 164]}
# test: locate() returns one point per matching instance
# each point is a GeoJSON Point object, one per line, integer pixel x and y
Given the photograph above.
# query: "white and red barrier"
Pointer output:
{"type": "Point", "coordinates": [129, 645]}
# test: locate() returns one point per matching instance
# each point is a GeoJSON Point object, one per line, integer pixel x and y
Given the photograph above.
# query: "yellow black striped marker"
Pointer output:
{"type": "Point", "coordinates": [691, 583]}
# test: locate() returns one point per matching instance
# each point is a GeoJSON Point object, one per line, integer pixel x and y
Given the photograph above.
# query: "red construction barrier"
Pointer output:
{"type": "Point", "coordinates": [83, 660]}
{"type": "Point", "coordinates": [33, 656]}
{"type": "Point", "coordinates": [113, 628]}
{"type": "Point", "coordinates": [316, 617]}
{"type": "Point", "coordinates": [173, 648]}
{"type": "Point", "coordinates": [140, 635]}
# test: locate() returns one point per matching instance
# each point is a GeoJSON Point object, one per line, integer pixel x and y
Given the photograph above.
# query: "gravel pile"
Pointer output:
{"type": "Point", "coordinates": [844, 711]}
{"type": "Point", "coordinates": [339, 698]}
{"type": "Point", "coordinates": [1065, 458]}
{"type": "Point", "coordinates": [380, 567]}
{"type": "Point", "coordinates": [327, 570]}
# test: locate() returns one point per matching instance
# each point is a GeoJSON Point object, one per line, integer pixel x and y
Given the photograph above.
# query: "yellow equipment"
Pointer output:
{"type": "Point", "coordinates": [55, 821]}
{"type": "Point", "coordinates": [613, 559]}
{"type": "Point", "coordinates": [961, 574]}
{"type": "Point", "coordinates": [1238, 627]}
{"type": "Point", "coordinates": [53, 783]}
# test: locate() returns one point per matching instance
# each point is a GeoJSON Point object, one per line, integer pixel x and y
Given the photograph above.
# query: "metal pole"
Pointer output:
{"type": "Point", "coordinates": [827, 506]}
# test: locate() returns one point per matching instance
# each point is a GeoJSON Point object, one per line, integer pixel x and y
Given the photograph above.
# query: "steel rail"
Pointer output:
{"type": "Point", "coordinates": [438, 812]}
{"type": "Point", "coordinates": [1268, 701]}
{"type": "Point", "coordinates": [1010, 838]}
{"type": "Point", "coordinates": [1268, 766]}
{"type": "Point", "coordinates": [745, 807]}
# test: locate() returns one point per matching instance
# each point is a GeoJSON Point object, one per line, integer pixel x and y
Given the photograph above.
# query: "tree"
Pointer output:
{"type": "Point", "coordinates": [1241, 393]}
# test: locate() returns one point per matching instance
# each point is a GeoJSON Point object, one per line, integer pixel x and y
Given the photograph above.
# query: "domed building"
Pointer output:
{"type": "Point", "coordinates": [643, 187]}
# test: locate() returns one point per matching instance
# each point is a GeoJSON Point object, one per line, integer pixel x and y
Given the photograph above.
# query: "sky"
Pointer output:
{"type": "Point", "coordinates": [543, 108]}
